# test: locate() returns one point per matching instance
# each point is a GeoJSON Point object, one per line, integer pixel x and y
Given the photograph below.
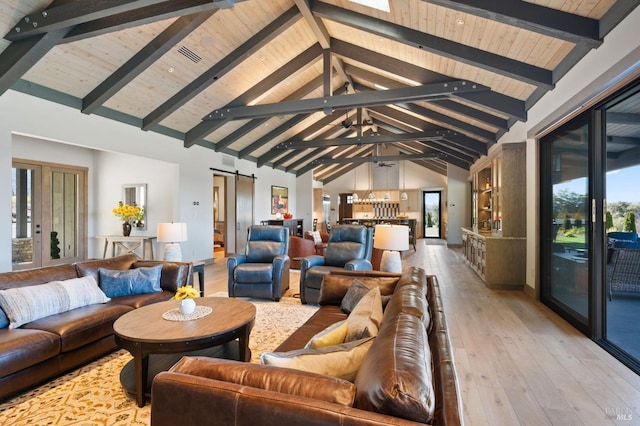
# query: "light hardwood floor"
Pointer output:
{"type": "Point", "coordinates": [518, 363]}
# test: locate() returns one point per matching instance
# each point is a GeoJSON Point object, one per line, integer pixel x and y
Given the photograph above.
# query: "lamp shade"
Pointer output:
{"type": "Point", "coordinates": [391, 237]}
{"type": "Point", "coordinates": [172, 232]}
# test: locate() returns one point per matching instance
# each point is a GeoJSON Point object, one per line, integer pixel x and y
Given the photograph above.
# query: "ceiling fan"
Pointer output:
{"type": "Point", "coordinates": [383, 164]}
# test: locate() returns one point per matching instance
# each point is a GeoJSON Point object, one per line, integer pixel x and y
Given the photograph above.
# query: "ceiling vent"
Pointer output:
{"type": "Point", "coordinates": [190, 54]}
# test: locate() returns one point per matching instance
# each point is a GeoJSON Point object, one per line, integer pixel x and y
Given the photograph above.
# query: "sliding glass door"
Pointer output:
{"type": "Point", "coordinates": [565, 221]}
{"type": "Point", "coordinates": [589, 211]}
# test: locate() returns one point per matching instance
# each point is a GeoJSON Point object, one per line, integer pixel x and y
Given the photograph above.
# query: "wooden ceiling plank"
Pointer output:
{"type": "Point", "coordinates": [362, 140]}
{"type": "Point", "coordinates": [21, 55]}
{"type": "Point", "coordinates": [532, 17]}
{"type": "Point", "coordinates": [340, 152]}
{"type": "Point", "coordinates": [297, 119]}
{"type": "Point", "coordinates": [301, 61]}
{"type": "Point", "coordinates": [492, 62]}
{"type": "Point", "coordinates": [449, 122]}
{"type": "Point", "coordinates": [314, 153]}
{"type": "Point", "coordinates": [138, 17]}
{"type": "Point", "coordinates": [491, 100]}
{"type": "Point", "coordinates": [382, 97]}
{"type": "Point", "coordinates": [259, 40]}
{"type": "Point", "coordinates": [165, 41]}
{"type": "Point", "coordinates": [70, 14]}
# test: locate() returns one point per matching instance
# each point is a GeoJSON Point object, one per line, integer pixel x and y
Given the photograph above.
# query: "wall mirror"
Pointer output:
{"type": "Point", "coordinates": [135, 194]}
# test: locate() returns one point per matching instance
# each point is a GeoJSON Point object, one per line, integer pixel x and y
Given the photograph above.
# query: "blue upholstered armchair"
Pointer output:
{"type": "Point", "coordinates": [349, 247]}
{"type": "Point", "coordinates": [263, 271]}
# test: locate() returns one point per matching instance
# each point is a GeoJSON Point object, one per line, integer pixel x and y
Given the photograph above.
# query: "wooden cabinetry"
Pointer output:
{"type": "Point", "coordinates": [495, 244]}
{"type": "Point", "coordinates": [412, 203]}
{"type": "Point", "coordinates": [295, 225]}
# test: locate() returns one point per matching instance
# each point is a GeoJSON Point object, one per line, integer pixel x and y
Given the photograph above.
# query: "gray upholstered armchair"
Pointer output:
{"type": "Point", "coordinates": [263, 271]}
{"type": "Point", "coordinates": [349, 247]}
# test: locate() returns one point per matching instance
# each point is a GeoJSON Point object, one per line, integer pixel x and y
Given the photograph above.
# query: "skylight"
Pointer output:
{"type": "Point", "coordinates": [376, 4]}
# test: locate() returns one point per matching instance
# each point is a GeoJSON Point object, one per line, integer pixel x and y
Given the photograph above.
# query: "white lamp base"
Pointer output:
{"type": "Point", "coordinates": [391, 261]}
{"type": "Point", "coordinates": [172, 252]}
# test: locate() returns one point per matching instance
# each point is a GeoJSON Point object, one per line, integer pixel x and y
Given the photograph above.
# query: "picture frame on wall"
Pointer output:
{"type": "Point", "coordinates": [279, 199]}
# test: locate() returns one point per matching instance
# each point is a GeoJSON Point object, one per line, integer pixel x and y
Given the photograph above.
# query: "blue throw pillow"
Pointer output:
{"type": "Point", "coordinates": [4, 321]}
{"type": "Point", "coordinates": [116, 283]}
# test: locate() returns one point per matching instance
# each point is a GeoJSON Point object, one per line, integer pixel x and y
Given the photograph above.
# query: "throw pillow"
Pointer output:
{"type": "Point", "coordinates": [26, 304]}
{"type": "Point", "coordinates": [332, 335]}
{"type": "Point", "coordinates": [317, 238]}
{"type": "Point", "coordinates": [116, 283]}
{"type": "Point", "coordinates": [4, 321]}
{"type": "Point", "coordinates": [341, 361]}
{"type": "Point", "coordinates": [356, 291]}
{"type": "Point", "coordinates": [366, 317]}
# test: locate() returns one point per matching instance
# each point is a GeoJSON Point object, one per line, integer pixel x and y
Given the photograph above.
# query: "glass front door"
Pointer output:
{"type": "Point", "coordinates": [432, 212]}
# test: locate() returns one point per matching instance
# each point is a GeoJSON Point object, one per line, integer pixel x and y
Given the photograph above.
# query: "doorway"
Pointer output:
{"type": "Point", "coordinates": [48, 210]}
{"type": "Point", "coordinates": [432, 208]}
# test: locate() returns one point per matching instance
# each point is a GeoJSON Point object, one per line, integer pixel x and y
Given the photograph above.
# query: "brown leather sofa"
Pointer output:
{"type": "Point", "coordinates": [45, 348]}
{"type": "Point", "coordinates": [393, 385]}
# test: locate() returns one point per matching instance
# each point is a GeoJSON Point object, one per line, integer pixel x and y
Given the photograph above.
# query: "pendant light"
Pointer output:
{"type": "Point", "coordinates": [371, 195]}
{"type": "Point", "coordinates": [354, 196]}
{"type": "Point", "coordinates": [403, 195]}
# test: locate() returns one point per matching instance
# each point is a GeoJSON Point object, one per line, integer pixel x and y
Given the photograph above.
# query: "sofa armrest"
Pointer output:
{"type": "Point", "coordinates": [200, 398]}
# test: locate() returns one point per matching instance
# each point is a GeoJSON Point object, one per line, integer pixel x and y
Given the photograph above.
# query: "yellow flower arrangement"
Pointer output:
{"type": "Point", "coordinates": [186, 292]}
{"type": "Point", "coordinates": [128, 213]}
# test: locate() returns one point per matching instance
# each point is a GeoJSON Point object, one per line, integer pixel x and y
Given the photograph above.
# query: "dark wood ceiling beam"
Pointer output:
{"type": "Point", "coordinates": [450, 152]}
{"type": "Point", "coordinates": [382, 158]}
{"type": "Point", "coordinates": [532, 17]}
{"type": "Point", "coordinates": [502, 65]}
{"type": "Point", "coordinates": [317, 152]}
{"type": "Point", "coordinates": [435, 166]}
{"type": "Point", "coordinates": [382, 97]}
{"type": "Point", "coordinates": [70, 14]}
{"type": "Point", "coordinates": [145, 57]}
{"type": "Point", "coordinates": [450, 122]}
{"type": "Point", "coordinates": [454, 137]}
{"type": "Point", "coordinates": [260, 142]}
{"type": "Point", "coordinates": [20, 56]}
{"type": "Point", "coordinates": [310, 130]}
{"type": "Point", "coordinates": [340, 152]}
{"type": "Point", "coordinates": [335, 132]}
{"type": "Point", "coordinates": [213, 74]}
{"type": "Point", "coordinates": [373, 79]}
{"type": "Point", "coordinates": [501, 104]}
{"type": "Point", "coordinates": [138, 17]}
{"type": "Point", "coordinates": [300, 62]}
{"type": "Point", "coordinates": [336, 174]}
{"type": "Point", "coordinates": [361, 140]}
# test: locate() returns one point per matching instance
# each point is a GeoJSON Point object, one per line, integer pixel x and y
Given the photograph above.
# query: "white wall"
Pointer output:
{"type": "Point", "coordinates": [180, 179]}
{"type": "Point", "coordinates": [458, 208]}
{"type": "Point", "coordinates": [618, 56]}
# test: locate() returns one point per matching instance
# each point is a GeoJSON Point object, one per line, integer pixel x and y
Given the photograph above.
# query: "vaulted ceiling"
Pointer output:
{"type": "Point", "coordinates": [305, 86]}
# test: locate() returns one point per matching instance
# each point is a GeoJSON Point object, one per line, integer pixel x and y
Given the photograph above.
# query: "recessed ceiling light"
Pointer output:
{"type": "Point", "coordinates": [262, 57]}
{"type": "Point", "coordinates": [376, 4]}
{"type": "Point", "coordinates": [460, 21]}
{"type": "Point", "coordinates": [170, 70]}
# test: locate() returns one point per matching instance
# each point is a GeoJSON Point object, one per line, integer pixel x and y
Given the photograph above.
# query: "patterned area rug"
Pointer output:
{"type": "Point", "coordinates": [92, 395]}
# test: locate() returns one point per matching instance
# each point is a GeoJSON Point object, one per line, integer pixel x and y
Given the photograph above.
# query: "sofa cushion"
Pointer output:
{"type": "Point", "coordinates": [366, 317]}
{"type": "Point", "coordinates": [25, 304]}
{"type": "Point", "coordinates": [254, 273]}
{"type": "Point", "coordinates": [78, 327]}
{"type": "Point", "coordinates": [116, 283]}
{"type": "Point", "coordinates": [298, 383]}
{"type": "Point", "coordinates": [395, 377]}
{"type": "Point", "coordinates": [332, 335]}
{"type": "Point", "coordinates": [341, 361]}
{"type": "Point", "coordinates": [22, 348]}
{"type": "Point", "coordinates": [410, 299]}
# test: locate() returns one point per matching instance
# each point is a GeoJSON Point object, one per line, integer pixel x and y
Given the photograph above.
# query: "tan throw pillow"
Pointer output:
{"type": "Point", "coordinates": [332, 335]}
{"type": "Point", "coordinates": [341, 361]}
{"type": "Point", "coordinates": [366, 316]}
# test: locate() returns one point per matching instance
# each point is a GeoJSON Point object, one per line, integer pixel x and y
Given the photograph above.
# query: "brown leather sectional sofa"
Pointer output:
{"type": "Point", "coordinates": [45, 348]}
{"type": "Point", "coordinates": [394, 385]}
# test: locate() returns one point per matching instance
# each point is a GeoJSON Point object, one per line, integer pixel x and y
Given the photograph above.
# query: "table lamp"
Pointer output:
{"type": "Point", "coordinates": [172, 234]}
{"type": "Point", "coordinates": [392, 239]}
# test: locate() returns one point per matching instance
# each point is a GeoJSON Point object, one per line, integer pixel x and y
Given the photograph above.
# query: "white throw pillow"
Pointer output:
{"type": "Point", "coordinates": [341, 361]}
{"type": "Point", "coordinates": [26, 304]}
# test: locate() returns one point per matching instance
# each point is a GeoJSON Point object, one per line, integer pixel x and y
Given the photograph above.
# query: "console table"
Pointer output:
{"type": "Point", "coordinates": [128, 245]}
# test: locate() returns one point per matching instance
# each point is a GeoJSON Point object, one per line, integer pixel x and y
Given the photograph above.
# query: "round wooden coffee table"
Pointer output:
{"type": "Point", "coordinates": [144, 331]}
